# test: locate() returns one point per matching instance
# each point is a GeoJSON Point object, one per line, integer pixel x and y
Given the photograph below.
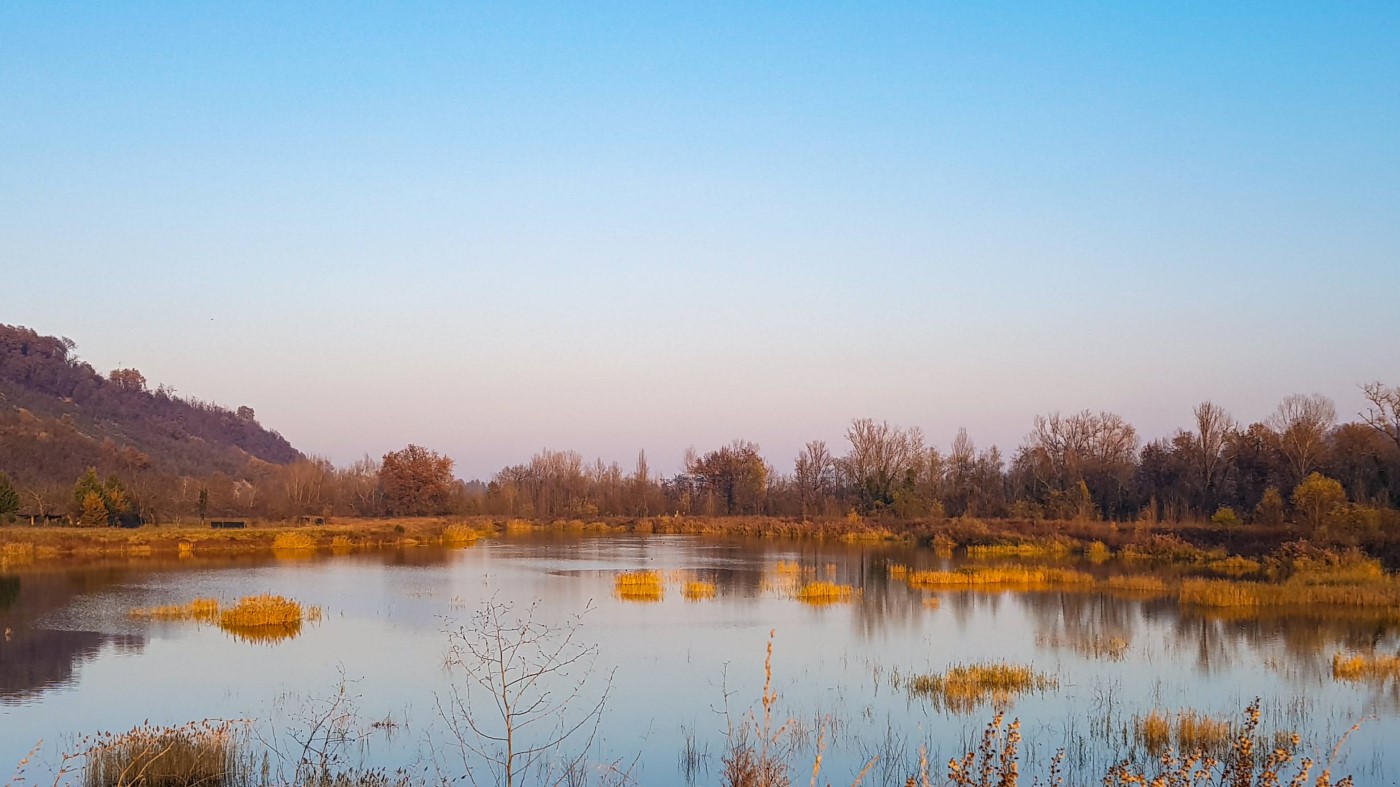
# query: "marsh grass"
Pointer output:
{"type": "Point", "coordinates": [292, 543]}
{"type": "Point", "coordinates": [643, 586]}
{"type": "Point", "coordinates": [1135, 585]}
{"type": "Point", "coordinates": [1377, 667]}
{"type": "Point", "coordinates": [822, 593]}
{"type": "Point", "coordinates": [1036, 549]}
{"type": "Point", "coordinates": [456, 535]}
{"type": "Point", "coordinates": [698, 590]}
{"type": "Point", "coordinates": [204, 610]}
{"type": "Point", "coordinates": [266, 619]}
{"type": "Point", "coordinates": [1000, 577]}
{"type": "Point", "coordinates": [1189, 731]}
{"type": "Point", "coordinates": [1379, 593]}
{"type": "Point", "coordinates": [207, 754]}
{"type": "Point", "coordinates": [965, 687]}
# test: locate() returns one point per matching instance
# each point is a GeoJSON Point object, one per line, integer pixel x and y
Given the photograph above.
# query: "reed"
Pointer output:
{"type": "Point", "coordinates": [456, 535]}
{"type": "Point", "coordinates": [204, 610]}
{"type": "Point", "coordinates": [698, 590]}
{"type": "Point", "coordinates": [964, 687]}
{"type": "Point", "coordinates": [897, 571]}
{"type": "Point", "coordinates": [202, 753]}
{"type": "Point", "coordinates": [263, 610]}
{"type": "Point", "coordinates": [1378, 667]}
{"type": "Point", "coordinates": [1381, 594]}
{"type": "Point", "coordinates": [1025, 549]}
{"type": "Point", "coordinates": [1187, 730]}
{"type": "Point", "coordinates": [996, 577]}
{"type": "Point", "coordinates": [293, 542]}
{"type": "Point", "coordinates": [639, 586]}
{"type": "Point", "coordinates": [822, 593]}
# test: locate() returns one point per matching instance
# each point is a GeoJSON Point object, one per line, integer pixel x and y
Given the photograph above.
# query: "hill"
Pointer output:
{"type": "Point", "coordinates": [59, 416]}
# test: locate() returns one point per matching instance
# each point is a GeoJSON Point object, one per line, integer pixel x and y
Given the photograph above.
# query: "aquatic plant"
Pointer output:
{"type": "Point", "coordinates": [639, 586]}
{"type": "Point", "coordinates": [253, 612]}
{"type": "Point", "coordinates": [821, 593]}
{"type": "Point", "coordinates": [964, 687]}
{"type": "Point", "coordinates": [698, 590]}
{"type": "Point", "coordinates": [1366, 666]}
{"type": "Point", "coordinates": [1188, 730]}
{"type": "Point", "coordinates": [199, 753]}
{"type": "Point", "coordinates": [1024, 577]}
{"type": "Point", "coordinates": [201, 609]}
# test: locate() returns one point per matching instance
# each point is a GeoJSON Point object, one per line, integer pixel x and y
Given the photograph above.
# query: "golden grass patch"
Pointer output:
{"type": "Point", "coordinates": [994, 577]}
{"type": "Point", "coordinates": [639, 586]}
{"type": "Point", "coordinates": [698, 590]}
{"type": "Point", "coordinates": [1365, 666]}
{"type": "Point", "coordinates": [1187, 730]}
{"type": "Point", "coordinates": [965, 687]}
{"type": "Point", "coordinates": [821, 593]}
{"type": "Point", "coordinates": [204, 610]}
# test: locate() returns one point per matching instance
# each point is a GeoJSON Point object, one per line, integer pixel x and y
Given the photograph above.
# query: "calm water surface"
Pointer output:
{"type": "Point", "coordinates": [74, 663]}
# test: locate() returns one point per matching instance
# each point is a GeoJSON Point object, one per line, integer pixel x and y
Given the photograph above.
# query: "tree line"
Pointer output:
{"type": "Point", "coordinates": [1300, 464]}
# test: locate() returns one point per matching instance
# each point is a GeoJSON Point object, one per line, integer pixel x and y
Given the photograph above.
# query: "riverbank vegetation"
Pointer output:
{"type": "Point", "coordinates": [1299, 472]}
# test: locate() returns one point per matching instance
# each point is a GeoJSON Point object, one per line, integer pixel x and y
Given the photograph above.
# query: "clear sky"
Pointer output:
{"type": "Point", "coordinates": [490, 229]}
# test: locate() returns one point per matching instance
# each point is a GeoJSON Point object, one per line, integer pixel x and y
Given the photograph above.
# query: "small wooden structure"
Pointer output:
{"type": "Point", "coordinates": [228, 524]}
{"type": "Point", "coordinates": [37, 518]}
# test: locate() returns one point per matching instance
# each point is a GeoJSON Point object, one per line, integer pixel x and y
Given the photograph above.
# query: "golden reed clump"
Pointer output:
{"type": "Point", "coordinates": [643, 586]}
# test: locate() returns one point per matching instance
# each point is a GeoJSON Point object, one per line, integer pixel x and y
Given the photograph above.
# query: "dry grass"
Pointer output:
{"type": "Point", "coordinates": [293, 541]}
{"type": "Point", "coordinates": [822, 593]}
{"type": "Point", "coordinates": [204, 753]}
{"type": "Point", "coordinates": [1187, 730]}
{"type": "Point", "coordinates": [1098, 552]}
{"type": "Point", "coordinates": [897, 571]}
{"type": "Point", "coordinates": [1024, 549]}
{"type": "Point", "coordinates": [698, 590]}
{"type": "Point", "coordinates": [645, 586]}
{"type": "Point", "coordinates": [204, 610]}
{"type": "Point", "coordinates": [965, 687]}
{"type": "Point", "coordinates": [456, 535]}
{"type": "Point", "coordinates": [1366, 667]}
{"type": "Point", "coordinates": [262, 610]}
{"type": "Point", "coordinates": [1382, 593]}
{"type": "Point", "coordinates": [1000, 577]}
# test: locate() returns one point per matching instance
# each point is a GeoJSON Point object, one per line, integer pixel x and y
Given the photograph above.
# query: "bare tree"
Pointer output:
{"type": "Point", "coordinates": [1302, 422]}
{"type": "Point", "coordinates": [532, 695]}
{"type": "Point", "coordinates": [1384, 413]}
{"type": "Point", "coordinates": [815, 471]}
{"type": "Point", "coordinates": [1213, 427]}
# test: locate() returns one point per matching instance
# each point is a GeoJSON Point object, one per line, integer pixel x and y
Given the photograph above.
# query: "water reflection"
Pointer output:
{"type": "Point", "coordinates": [1143, 647]}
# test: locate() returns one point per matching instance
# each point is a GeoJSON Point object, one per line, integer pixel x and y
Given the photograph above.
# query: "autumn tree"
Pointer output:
{"type": "Point", "coordinates": [415, 481]}
{"type": "Point", "coordinates": [735, 474]}
{"type": "Point", "coordinates": [1383, 414]}
{"type": "Point", "coordinates": [1316, 497]}
{"type": "Point", "coordinates": [127, 379]}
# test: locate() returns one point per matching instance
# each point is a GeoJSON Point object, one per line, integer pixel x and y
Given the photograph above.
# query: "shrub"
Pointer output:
{"type": "Point", "coordinates": [1225, 517]}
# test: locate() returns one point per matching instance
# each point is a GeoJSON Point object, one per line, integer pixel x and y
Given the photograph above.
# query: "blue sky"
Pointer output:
{"type": "Point", "coordinates": [495, 228]}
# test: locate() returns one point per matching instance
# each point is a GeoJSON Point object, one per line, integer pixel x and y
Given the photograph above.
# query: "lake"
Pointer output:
{"type": "Point", "coordinates": [73, 662]}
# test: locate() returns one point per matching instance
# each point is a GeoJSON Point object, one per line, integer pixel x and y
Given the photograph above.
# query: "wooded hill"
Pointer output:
{"type": "Point", "coordinates": [59, 417]}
